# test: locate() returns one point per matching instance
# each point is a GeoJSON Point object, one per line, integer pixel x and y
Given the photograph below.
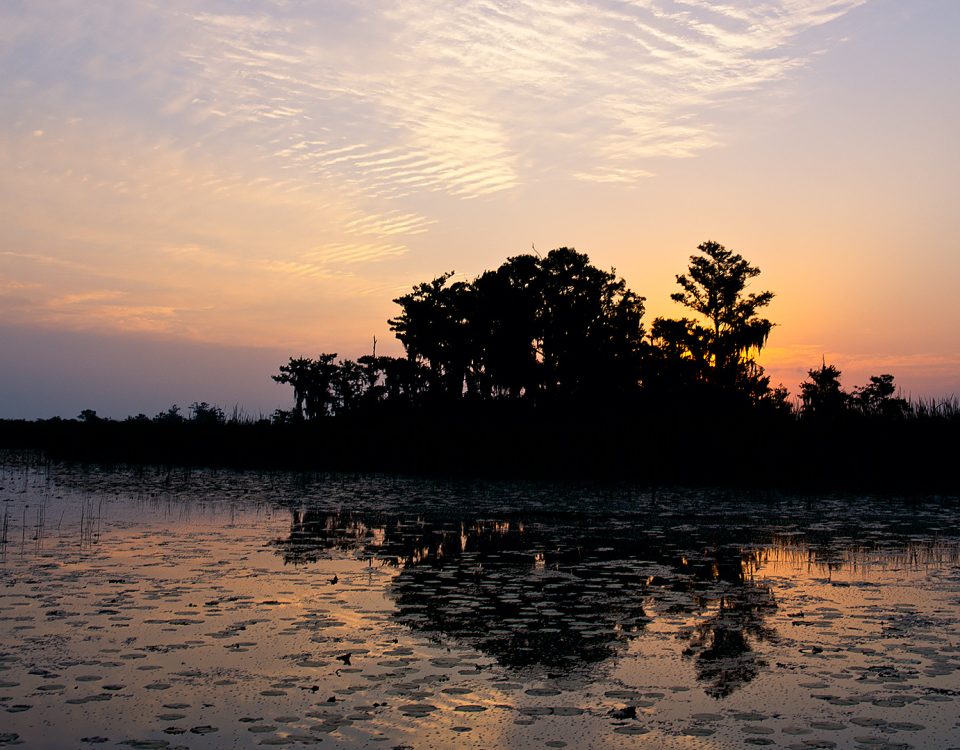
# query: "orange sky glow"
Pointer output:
{"type": "Point", "coordinates": [202, 189]}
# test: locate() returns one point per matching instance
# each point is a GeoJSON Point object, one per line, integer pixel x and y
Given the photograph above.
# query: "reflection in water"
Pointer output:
{"type": "Point", "coordinates": [125, 599]}
{"type": "Point", "coordinates": [557, 590]}
{"type": "Point", "coordinates": [567, 590]}
{"type": "Point", "coordinates": [789, 555]}
{"type": "Point", "coordinates": [721, 644]}
{"type": "Point", "coordinates": [498, 588]}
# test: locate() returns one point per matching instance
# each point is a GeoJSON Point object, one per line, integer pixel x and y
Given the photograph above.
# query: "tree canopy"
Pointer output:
{"type": "Point", "coordinates": [551, 329]}
{"type": "Point", "coordinates": [535, 328]}
{"type": "Point", "coordinates": [822, 397]}
{"type": "Point", "coordinates": [556, 330]}
{"type": "Point", "coordinates": [543, 367]}
{"type": "Point", "coordinates": [718, 347]}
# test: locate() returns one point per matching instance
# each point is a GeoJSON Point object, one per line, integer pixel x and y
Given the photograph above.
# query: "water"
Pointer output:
{"type": "Point", "coordinates": [211, 610]}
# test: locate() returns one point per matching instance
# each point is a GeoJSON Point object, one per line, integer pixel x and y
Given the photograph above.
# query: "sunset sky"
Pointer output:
{"type": "Point", "coordinates": [192, 191]}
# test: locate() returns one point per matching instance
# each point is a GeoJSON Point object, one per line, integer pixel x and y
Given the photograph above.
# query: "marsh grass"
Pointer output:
{"type": "Point", "coordinates": [947, 408]}
{"type": "Point", "coordinates": [4, 530]}
{"type": "Point", "coordinates": [657, 442]}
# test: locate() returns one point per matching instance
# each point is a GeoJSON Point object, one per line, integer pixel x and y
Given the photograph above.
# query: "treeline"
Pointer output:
{"type": "Point", "coordinates": [544, 367]}
{"type": "Point", "coordinates": [550, 332]}
{"type": "Point", "coordinates": [556, 332]}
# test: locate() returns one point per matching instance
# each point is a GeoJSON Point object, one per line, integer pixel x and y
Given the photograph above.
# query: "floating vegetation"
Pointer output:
{"type": "Point", "coordinates": [211, 609]}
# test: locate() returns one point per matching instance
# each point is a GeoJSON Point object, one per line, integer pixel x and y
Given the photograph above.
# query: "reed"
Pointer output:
{"type": "Point", "coordinates": [947, 408]}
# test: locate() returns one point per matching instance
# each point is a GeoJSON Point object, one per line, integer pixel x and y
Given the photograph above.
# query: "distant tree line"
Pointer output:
{"type": "Point", "coordinates": [199, 413]}
{"type": "Point", "coordinates": [555, 330]}
{"type": "Point", "coordinates": [544, 367]}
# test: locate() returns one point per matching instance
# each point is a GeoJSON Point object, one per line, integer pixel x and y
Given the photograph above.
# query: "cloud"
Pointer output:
{"type": "Point", "coordinates": [210, 159]}
{"type": "Point", "coordinates": [389, 99]}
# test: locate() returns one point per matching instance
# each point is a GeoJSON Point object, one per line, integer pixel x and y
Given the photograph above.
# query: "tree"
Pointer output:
{"type": "Point", "coordinates": [312, 381]}
{"type": "Point", "coordinates": [297, 374]}
{"type": "Point", "coordinates": [405, 380]}
{"type": "Point", "coordinates": [876, 398]}
{"type": "Point", "coordinates": [721, 346]}
{"type": "Point", "coordinates": [679, 350]}
{"type": "Point", "coordinates": [372, 374]}
{"type": "Point", "coordinates": [506, 329]}
{"type": "Point", "coordinates": [348, 385]}
{"type": "Point", "coordinates": [822, 395]}
{"type": "Point", "coordinates": [170, 416]}
{"type": "Point", "coordinates": [591, 330]}
{"type": "Point", "coordinates": [432, 326]}
{"type": "Point", "coordinates": [203, 413]}
{"type": "Point", "coordinates": [555, 325]}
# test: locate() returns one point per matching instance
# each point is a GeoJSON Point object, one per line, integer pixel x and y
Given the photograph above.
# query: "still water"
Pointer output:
{"type": "Point", "coordinates": [155, 609]}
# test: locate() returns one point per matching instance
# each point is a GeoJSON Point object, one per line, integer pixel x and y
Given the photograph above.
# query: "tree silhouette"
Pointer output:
{"type": "Point", "coordinates": [203, 413]}
{"type": "Point", "coordinates": [432, 327]}
{"type": "Point", "coordinates": [170, 416]}
{"type": "Point", "coordinates": [405, 380]}
{"type": "Point", "coordinates": [876, 398]}
{"type": "Point", "coordinates": [720, 349]}
{"type": "Point", "coordinates": [297, 374]}
{"type": "Point", "coordinates": [542, 366]}
{"type": "Point", "coordinates": [822, 395]}
{"type": "Point", "coordinates": [348, 384]}
{"type": "Point", "coordinates": [555, 325]}
{"type": "Point", "coordinates": [506, 330]}
{"type": "Point", "coordinates": [373, 389]}
{"type": "Point", "coordinates": [591, 329]}
{"type": "Point", "coordinates": [312, 381]}
{"type": "Point", "coordinates": [680, 351]}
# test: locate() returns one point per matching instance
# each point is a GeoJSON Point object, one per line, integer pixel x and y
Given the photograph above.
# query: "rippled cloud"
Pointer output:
{"type": "Point", "coordinates": [384, 99]}
{"type": "Point", "coordinates": [294, 140]}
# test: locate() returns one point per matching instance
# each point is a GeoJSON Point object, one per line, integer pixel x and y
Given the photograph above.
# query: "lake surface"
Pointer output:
{"type": "Point", "coordinates": [153, 609]}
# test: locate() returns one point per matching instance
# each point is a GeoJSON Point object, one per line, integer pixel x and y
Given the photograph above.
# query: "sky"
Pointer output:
{"type": "Point", "coordinates": [193, 191]}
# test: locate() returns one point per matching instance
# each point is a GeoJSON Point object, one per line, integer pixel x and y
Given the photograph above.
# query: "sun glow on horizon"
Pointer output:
{"type": "Point", "coordinates": [273, 176]}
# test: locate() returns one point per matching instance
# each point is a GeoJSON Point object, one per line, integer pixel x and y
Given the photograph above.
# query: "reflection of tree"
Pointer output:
{"type": "Point", "coordinates": [312, 533]}
{"type": "Point", "coordinates": [524, 608]}
{"type": "Point", "coordinates": [721, 644]}
{"type": "Point", "coordinates": [560, 592]}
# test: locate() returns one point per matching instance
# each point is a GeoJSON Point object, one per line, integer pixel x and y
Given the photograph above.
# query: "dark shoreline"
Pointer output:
{"type": "Point", "coordinates": [751, 451]}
